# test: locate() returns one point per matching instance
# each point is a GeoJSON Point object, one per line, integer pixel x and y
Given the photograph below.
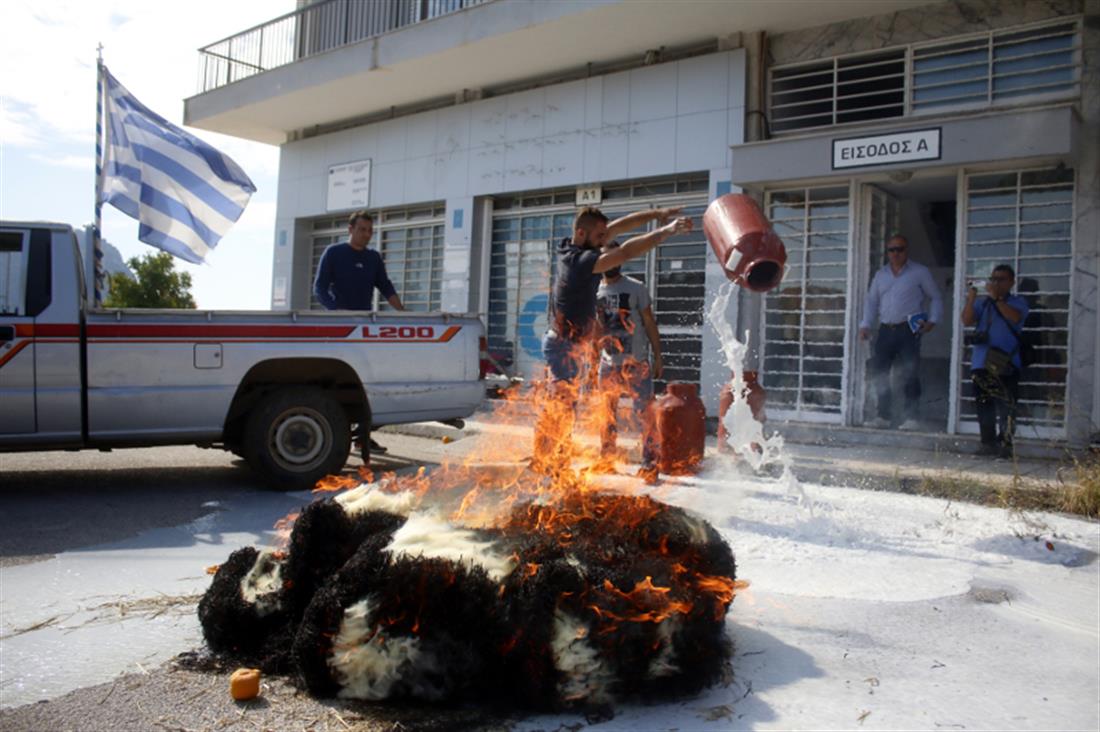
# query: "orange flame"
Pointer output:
{"type": "Point", "coordinates": [559, 479]}
{"type": "Point", "coordinates": [333, 483]}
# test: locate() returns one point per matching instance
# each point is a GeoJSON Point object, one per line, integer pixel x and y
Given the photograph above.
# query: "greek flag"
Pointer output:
{"type": "Point", "coordinates": [184, 193]}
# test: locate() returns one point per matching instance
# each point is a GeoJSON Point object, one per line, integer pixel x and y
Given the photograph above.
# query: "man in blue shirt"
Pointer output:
{"type": "Point", "coordinates": [998, 319]}
{"type": "Point", "coordinates": [347, 275]}
{"type": "Point", "coordinates": [349, 272]}
{"type": "Point", "coordinates": [898, 291]}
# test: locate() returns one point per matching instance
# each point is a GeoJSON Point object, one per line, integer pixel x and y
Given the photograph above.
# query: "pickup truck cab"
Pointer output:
{"type": "Point", "coordinates": [281, 389]}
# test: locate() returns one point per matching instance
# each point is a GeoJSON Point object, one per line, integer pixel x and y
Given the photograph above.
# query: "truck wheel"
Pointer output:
{"type": "Point", "coordinates": [294, 437]}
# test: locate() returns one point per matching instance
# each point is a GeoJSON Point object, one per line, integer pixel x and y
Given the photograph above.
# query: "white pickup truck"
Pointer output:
{"type": "Point", "coordinates": [280, 389]}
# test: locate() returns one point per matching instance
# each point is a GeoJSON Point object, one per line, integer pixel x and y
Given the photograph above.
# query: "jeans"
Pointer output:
{"type": "Point", "coordinates": [995, 402]}
{"type": "Point", "coordinates": [559, 353]}
{"type": "Point", "coordinates": [633, 378]}
{"type": "Point", "coordinates": [903, 345]}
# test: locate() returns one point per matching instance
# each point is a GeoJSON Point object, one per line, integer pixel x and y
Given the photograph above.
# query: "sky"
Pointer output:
{"type": "Point", "coordinates": [47, 121]}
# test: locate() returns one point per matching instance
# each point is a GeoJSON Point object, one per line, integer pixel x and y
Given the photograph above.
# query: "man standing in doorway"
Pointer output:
{"type": "Point", "coordinates": [347, 277]}
{"type": "Point", "coordinates": [898, 293]}
{"type": "Point", "coordinates": [349, 272]}
{"type": "Point", "coordinates": [623, 306]}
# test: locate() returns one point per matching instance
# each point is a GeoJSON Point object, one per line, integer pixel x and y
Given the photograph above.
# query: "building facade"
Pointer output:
{"type": "Point", "coordinates": [474, 129]}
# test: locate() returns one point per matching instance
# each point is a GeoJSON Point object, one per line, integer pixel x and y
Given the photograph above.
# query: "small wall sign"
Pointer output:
{"type": "Point", "coordinates": [348, 186]}
{"type": "Point", "coordinates": [589, 195]}
{"type": "Point", "coordinates": [895, 147]}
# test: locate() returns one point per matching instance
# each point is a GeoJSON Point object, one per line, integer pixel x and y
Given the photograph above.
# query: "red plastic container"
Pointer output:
{"type": "Point", "coordinates": [681, 429]}
{"type": "Point", "coordinates": [757, 397]}
{"type": "Point", "coordinates": [752, 255]}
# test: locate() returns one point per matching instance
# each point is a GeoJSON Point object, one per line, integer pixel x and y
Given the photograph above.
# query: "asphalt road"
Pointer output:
{"type": "Point", "coordinates": [51, 502]}
{"type": "Point", "coordinates": [101, 555]}
{"type": "Point", "coordinates": [102, 558]}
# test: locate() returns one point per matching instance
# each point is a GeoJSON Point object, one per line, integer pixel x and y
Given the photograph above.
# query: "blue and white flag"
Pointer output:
{"type": "Point", "coordinates": [185, 193]}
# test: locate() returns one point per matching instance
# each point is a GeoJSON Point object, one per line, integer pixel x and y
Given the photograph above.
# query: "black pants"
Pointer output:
{"type": "Point", "coordinates": [903, 345]}
{"type": "Point", "coordinates": [996, 399]}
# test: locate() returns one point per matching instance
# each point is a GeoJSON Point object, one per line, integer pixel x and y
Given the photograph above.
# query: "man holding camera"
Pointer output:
{"type": "Point", "coordinates": [897, 292]}
{"type": "Point", "coordinates": [995, 362]}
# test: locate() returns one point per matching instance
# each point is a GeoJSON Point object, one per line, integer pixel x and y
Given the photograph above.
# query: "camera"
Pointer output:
{"type": "Point", "coordinates": [977, 338]}
{"type": "Point", "coordinates": [974, 284]}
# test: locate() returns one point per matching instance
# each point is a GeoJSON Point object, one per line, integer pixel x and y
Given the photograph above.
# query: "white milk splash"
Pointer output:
{"type": "Point", "coordinates": [745, 434]}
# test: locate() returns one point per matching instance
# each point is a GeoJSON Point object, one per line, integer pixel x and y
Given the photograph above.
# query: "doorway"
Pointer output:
{"type": "Point", "coordinates": [925, 211]}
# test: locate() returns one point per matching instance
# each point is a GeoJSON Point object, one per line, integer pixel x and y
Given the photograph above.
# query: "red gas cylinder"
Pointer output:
{"type": "Point", "coordinates": [751, 254]}
{"type": "Point", "coordinates": [681, 429]}
{"type": "Point", "coordinates": [757, 398]}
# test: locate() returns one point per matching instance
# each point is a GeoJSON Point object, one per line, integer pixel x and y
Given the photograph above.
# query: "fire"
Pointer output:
{"type": "Point", "coordinates": [515, 568]}
{"type": "Point", "coordinates": [334, 483]}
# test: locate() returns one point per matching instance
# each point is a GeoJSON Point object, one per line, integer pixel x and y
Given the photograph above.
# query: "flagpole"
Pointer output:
{"type": "Point", "coordinates": [98, 274]}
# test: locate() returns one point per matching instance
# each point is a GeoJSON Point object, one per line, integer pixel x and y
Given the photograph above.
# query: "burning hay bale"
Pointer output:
{"type": "Point", "coordinates": [242, 613]}
{"type": "Point", "coordinates": [577, 602]}
{"type": "Point", "coordinates": [252, 609]}
{"type": "Point", "coordinates": [621, 596]}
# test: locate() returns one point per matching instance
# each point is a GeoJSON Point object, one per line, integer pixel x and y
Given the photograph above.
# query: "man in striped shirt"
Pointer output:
{"type": "Point", "coordinates": [899, 290]}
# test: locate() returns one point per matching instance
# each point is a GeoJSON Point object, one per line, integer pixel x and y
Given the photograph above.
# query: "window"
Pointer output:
{"type": "Point", "coordinates": [679, 299]}
{"type": "Point", "coordinates": [994, 68]}
{"type": "Point", "coordinates": [804, 318]}
{"type": "Point", "coordinates": [414, 263]}
{"type": "Point", "coordinates": [1000, 67]}
{"type": "Point", "coordinates": [521, 264]}
{"type": "Point", "coordinates": [849, 89]}
{"type": "Point", "coordinates": [1025, 219]}
{"type": "Point", "coordinates": [12, 278]}
{"type": "Point", "coordinates": [410, 241]}
{"type": "Point", "coordinates": [526, 230]}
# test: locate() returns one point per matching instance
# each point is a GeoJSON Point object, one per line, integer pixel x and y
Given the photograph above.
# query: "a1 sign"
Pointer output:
{"type": "Point", "coordinates": [896, 147]}
{"type": "Point", "coordinates": [589, 195]}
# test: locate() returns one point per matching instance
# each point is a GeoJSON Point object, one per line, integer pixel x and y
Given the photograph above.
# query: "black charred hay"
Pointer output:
{"type": "Point", "coordinates": [578, 604]}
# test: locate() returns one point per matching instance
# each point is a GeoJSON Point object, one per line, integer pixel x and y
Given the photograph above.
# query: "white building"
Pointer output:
{"type": "Point", "coordinates": [474, 127]}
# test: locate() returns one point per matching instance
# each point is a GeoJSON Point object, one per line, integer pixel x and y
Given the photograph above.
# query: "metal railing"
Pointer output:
{"type": "Point", "coordinates": [310, 30]}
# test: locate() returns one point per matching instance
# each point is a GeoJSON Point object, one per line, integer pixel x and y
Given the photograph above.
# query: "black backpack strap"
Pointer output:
{"type": "Point", "coordinates": [1011, 329]}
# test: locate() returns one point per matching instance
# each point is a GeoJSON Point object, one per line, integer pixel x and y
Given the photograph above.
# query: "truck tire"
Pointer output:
{"type": "Point", "coordinates": [296, 436]}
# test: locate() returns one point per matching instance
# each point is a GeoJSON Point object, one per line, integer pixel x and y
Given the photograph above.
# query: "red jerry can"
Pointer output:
{"type": "Point", "coordinates": [757, 398]}
{"type": "Point", "coordinates": [681, 429]}
{"type": "Point", "coordinates": [750, 252]}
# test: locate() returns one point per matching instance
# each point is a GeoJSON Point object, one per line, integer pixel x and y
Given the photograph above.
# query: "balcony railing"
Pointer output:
{"type": "Point", "coordinates": [310, 30]}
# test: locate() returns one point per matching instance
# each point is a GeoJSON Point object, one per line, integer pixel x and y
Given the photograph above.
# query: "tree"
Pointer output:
{"type": "Point", "coordinates": [156, 284]}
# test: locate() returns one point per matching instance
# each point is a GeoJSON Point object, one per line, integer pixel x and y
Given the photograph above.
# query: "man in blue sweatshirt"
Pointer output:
{"type": "Point", "coordinates": [346, 278]}
{"type": "Point", "coordinates": [349, 272]}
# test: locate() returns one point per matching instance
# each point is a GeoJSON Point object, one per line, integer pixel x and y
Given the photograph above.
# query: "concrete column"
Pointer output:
{"type": "Point", "coordinates": [1083, 402]}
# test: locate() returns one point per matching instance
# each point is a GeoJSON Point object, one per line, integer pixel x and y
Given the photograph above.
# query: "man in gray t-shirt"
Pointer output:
{"type": "Point", "coordinates": [624, 310]}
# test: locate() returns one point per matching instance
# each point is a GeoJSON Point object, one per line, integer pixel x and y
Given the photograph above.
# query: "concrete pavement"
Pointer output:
{"type": "Point", "coordinates": [907, 462]}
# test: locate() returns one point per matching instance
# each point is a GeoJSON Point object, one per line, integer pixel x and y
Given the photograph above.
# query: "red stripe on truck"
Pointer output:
{"type": "Point", "coordinates": [47, 330]}
{"type": "Point", "coordinates": [219, 331]}
{"type": "Point", "coordinates": [14, 350]}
